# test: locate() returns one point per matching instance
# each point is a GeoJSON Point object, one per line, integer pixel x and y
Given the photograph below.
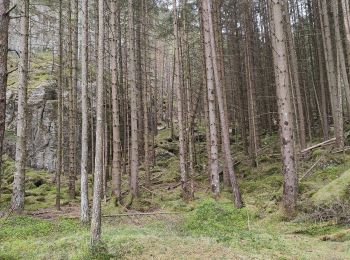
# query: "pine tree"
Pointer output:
{"type": "Point", "coordinates": [17, 202]}
{"type": "Point", "coordinates": [84, 211]}
{"type": "Point", "coordinates": [284, 103]}
{"type": "Point", "coordinates": [4, 21]}
{"type": "Point", "coordinates": [97, 192]}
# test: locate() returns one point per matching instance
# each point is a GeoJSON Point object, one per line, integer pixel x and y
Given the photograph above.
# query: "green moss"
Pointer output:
{"type": "Point", "coordinates": [318, 229]}
{"type": "Point", "coordinates": [22, 227]}
{"type": "Point", "coordinates": [337, 189]}
{"type": "Point", "coordinates": [218, 220]}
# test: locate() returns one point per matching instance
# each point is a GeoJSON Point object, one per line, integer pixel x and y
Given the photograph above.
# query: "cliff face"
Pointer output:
{"type": "Point", "coordinates": [41, 126]}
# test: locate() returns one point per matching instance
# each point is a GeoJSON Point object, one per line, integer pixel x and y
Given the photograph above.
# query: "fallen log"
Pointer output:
{"type": "Point", "coordinates": [140, 214]}
{"type": "Point", "coordinates": [308, 172]}
{"type": "Point", "coordinates": [325, 143]}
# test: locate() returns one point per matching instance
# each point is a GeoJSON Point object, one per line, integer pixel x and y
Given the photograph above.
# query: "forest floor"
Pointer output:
{"type": "Point", "coordinates": [160, 225]}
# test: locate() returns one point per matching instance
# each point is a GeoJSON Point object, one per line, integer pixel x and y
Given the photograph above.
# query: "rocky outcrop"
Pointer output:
{"type": "Point", "coordinates": [41, 126]}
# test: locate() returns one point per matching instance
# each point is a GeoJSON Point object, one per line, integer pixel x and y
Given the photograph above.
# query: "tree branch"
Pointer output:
{"type": "Point", "coordinates": [11, 9]}
{"type": "Point", "coordinates": [12, 50]}
{"type": "Point", "coordinates": [11, 71]}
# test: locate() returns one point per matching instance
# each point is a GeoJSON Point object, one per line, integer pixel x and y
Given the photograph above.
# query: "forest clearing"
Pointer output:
{"type": "Point", "coordinates": [174, 129]}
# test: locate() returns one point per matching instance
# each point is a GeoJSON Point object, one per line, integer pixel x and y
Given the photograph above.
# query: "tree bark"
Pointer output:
{"type": "Point", "coordinates": [116, 160]}
{"type": "Point", "coordinates": [134, 164]}
{"type": "Point", "coordinates": [84, 200]}
{"type": "Point", "coordinates": [222, 111]}
{"type": "Point", "coordinates": [331, 72]}
{"type": "Point", "coordinates": [4, 21]}
{"type": "Point", "coordinates": [213, 156]}
{"type": "Point", "coordinates": [96, 206]}
{"type": "Point", "coordinates": [17, 203]}
{"type": "Point", "coordinates": [179, 96]}
{"type": "Point", "coordinates": [73, 52]}
{"type": "Point", "coordinates": [59, 111]}
{"type": "Point", "coordinates": [293, 66]}
{"type": "Point", "coordinates": [284, 103]}
{"type": "Point", "coordinates": [250, 82]}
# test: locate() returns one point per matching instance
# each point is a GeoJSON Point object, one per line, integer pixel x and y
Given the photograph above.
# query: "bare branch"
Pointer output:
{"type": "Point", "coordinates": [10, 10]}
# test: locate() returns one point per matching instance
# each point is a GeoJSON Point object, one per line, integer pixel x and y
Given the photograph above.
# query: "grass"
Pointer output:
{"type": "Point", "coordinates": [203, 229]}
{"type": "Point", "coordinates": [213, 230]}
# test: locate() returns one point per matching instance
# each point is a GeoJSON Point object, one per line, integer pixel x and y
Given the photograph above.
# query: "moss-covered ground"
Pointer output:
{"type": "Point", "coordinates": [202, 228]}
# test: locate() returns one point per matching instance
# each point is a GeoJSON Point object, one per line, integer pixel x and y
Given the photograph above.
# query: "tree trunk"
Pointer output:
{"type": "Point", "coordinates": [213, 156]}
{"type": "Point", "coordinates": [346, 17]}
{"type": "Point", "coordinates": [73, 46]}
{"type": "Point", "coordinates": [177, 84]}
{"type": "Point", "coordinates": [250, 82]}
{"type": "Point", "coordinates": [4, 21]}
{"type": "Point", "coordinates": [331, 72]}
{"type": "Point", "coordinates": [96, 206]}
{"type": "Point", "coordinates": [17, 203]}
{"type": "Point", "coordinates": [84, 201]}
{"type": "Point", "coordinates": [300, 119]}
{"type": "Point", "coordinates": [116, 160]}
{"type": "Point", "coordinates": [222, 111]}
{"type": "Point", "coordinates": [133, 101]}
{"type": "Point", "coordinates": [59, 111]}
{"type": "Point", "coordinates": [284, 103]}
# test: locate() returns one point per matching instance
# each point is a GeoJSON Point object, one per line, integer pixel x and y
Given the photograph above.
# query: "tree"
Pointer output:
{"type": "Point", "coordinates": [84, 201]}
{"type": "Point", "coordinates": [213, 156]}
{"type": "Point", "coordinates": [73, 33]}
{"type": "Point", "coordinates": [293, 67]}
{"type": "Point", "coordinates": [284, 103]}
{"type": "Point", "coordinates": [336, 102]}
{"type": "Point", "coordinates": [4, 21]}
{"type": "Point", "coordinates": [96, 205]}
{"type": "Point", "coordinates": [222, 110]}
{"type": "Point", "coordinates": [59, 110]}
{"type": "Point", "coordinates": [17, 202]}
{"type": "Point", "coordinates": [116, 160]}
{"type": "Point", "coordinates": [250, 82]}
{"type": "Point", "coordinates": [133, 101]}
{"type": "Point", "coordinates": [180, 109]}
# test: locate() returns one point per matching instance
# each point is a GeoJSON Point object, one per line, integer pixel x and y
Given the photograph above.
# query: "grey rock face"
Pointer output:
{"type": "Point", "coordinates": [41, 126]}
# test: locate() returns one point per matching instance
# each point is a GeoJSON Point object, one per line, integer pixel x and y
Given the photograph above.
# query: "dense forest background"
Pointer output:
{"type": "Point", "coordinates": [191, 128]}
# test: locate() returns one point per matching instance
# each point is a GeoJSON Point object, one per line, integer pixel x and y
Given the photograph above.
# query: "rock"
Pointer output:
{"type": "Point", "coordinates": [163, 155]}
{"type": "Point", "coordinates": [41, 127]}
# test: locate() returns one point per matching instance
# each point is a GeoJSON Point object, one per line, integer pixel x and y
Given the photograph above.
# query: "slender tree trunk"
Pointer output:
{"type": "Point", "coordinates": [133, 101]}
{"type": "Point", "coordinates": [250, 82]}
{"type": "Point", "coordinates": [59, 111]}
{"type": "Point", "coordinates": [346, 17]}
{"type": "Point", "coordinates": [331, 71]}
{"type": "Point", "coordinates": [213, 156]}
{"type": "Point", "coordinates": [145, 99]}
{"type": "Point", "coordinates": [116, 160]}
{"type": "Point", "coordinates": [17, 203]}
{"type": "Point", "coordinates": [73, 46]}
{"type": "Point", "coordinates": [179, 95]}
{"type": "Point", "coordinates": [84, 201]}
{"type": "Point", "coordinates": [222, 111]}
{"type": "Point", "coordinates": [322, 77]}
{"type": "Point", "coordinates": [284, 103]}
{"type": "Point", "coordinates": [4, 21]}
{"type": "Point", "coordinates": [344, 83]}
{"type": "Point", "coordinates": [300, 119]}
{"type": "Point", "coordinates": [96, 206]}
